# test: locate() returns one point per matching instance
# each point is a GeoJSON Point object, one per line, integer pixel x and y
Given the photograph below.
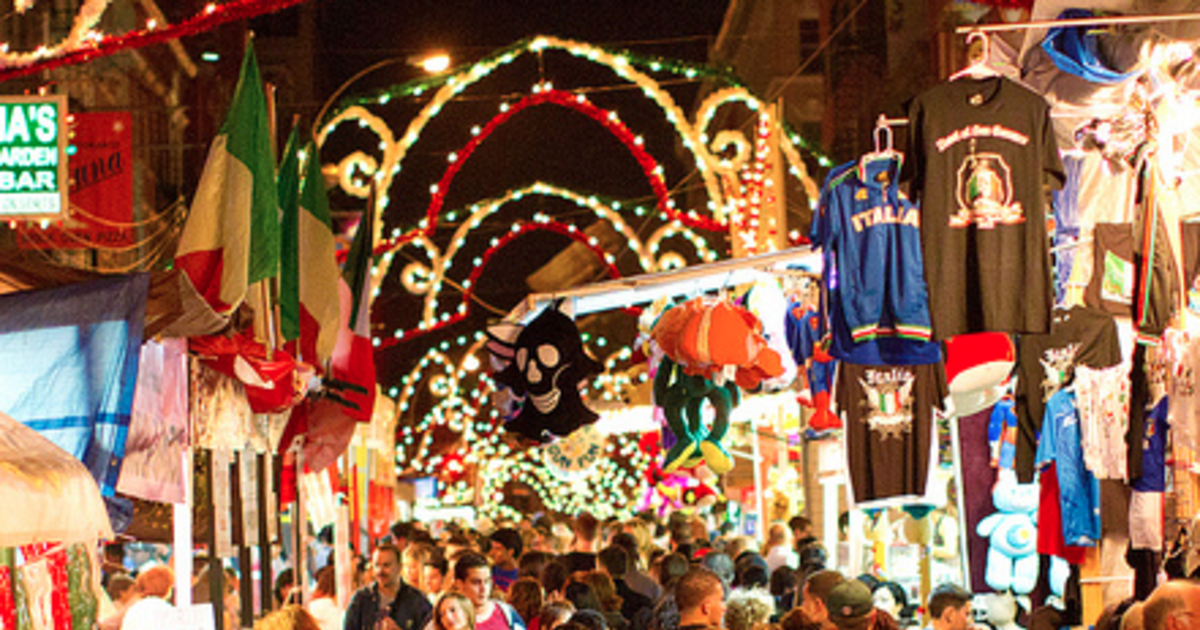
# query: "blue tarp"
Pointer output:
{"type": "Point", "coordinates": [69, 363]}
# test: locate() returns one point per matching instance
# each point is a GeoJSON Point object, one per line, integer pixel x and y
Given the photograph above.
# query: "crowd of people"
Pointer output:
{"type": "Point", "coordinates": [642, 575]}
{"type": "Point", "coordinates": [625, 575]}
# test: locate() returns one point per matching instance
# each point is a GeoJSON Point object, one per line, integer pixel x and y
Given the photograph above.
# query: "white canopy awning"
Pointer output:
{"type": "Point", "coordinates": [48, 495]}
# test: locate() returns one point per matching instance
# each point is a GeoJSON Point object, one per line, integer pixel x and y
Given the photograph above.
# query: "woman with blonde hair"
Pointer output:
{"type": "Point", "coordinates": [290, 617]}
{"type": "Point", "coordinates": [453, 611]}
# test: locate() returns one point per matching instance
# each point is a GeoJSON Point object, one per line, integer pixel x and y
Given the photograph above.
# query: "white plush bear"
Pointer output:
{"type": "Point", "coordinates": [1012, 562]}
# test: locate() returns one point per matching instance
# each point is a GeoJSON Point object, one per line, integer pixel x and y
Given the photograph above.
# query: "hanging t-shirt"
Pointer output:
{"type": "Point", "coordinates": [1079, 491]}
{"type": "Point", "coordinates": [1149, 377]}
{"type": "Point", "coordinates": [1079, 336]}
{"type": "Point", "coordinates": [871, 350]}
{"type": "Point", "coordinates": [1107, 192]}
{"type": "Point", "coordinates": [979, 152]}
{"type": "Point", "coordinates": [1183, 359]}
{"type": "Point", "coordinates": [887, 412]}
{"type": "Point", "coordinates": [1103, 399]}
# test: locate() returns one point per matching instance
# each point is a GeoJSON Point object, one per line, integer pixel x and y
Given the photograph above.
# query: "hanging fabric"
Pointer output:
{"type": "Point", "coordinates": [1076, 49]}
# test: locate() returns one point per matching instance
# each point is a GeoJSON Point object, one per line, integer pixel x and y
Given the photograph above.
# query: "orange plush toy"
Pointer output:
{"type": "Point", "coordinates": [712, 338]}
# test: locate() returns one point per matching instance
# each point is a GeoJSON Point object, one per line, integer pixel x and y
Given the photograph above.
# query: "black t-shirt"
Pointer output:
{"type": "Point", "coordinates": [888, 415]}
{"type": "Point", "coordinates": [1045, 363]}
{"type": "Point", "coordinates": [578, 561]}
{"type": "Point", "coordinates": [978, 153]}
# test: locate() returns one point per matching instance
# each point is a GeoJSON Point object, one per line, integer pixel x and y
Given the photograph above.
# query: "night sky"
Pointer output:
{"type": "Point", "coordinates": [357, 32]}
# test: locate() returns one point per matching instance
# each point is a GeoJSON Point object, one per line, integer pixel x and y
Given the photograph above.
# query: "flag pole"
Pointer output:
{"type": "Point", "coordinates": [269, 305]}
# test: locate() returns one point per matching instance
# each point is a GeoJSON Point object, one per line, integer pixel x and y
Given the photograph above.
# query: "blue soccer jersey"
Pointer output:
{"type": "Point", "coordinates": [1154, 448]}
{"type": "Point", "coordinates": [876, 296]}
{"type": "Point", "coordinates": [1079, 491]}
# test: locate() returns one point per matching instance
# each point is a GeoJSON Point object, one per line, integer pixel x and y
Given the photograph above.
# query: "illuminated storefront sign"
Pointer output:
{"type": "Point", "coordinates": [33, 166]}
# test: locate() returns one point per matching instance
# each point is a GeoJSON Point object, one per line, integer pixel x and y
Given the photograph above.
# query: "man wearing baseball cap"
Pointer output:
{"type": "Point", "coordinates": [850, 605]}
{"type": "Point", "coordinates": [816, 593]}
{"type": "Point", "coordinates": [950, 607]}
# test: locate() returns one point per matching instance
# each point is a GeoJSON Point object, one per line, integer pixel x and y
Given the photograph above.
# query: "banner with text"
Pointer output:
{"type": "Point", "coordinates": [101, 188]}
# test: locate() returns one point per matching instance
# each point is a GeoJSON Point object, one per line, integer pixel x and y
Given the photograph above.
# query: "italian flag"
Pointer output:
{"type": "Point", "coordinates": [231, 238]}
{"type": "Point", "coordinates": [309, 279]}
{"type": "Point", "coordinates": [354, 357]}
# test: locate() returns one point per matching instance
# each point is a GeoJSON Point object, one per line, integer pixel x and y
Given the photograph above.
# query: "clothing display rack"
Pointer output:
{"type": "Point", "coordinates": [1092, 21]}
{"type": "Point", "coordinates": [645, 288]}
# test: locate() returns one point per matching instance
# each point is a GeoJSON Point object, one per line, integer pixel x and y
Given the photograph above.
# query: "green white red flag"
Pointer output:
{"type": "Point", "coordinates": [308, 305]}
{"type": "Point", "coordinates": [354, 357]}
{"type": "Point", "coordinates": [231, 238]}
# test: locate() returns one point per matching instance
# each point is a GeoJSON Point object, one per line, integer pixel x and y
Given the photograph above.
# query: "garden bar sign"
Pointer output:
{"type": "Point", "coordinates": [33, 165]}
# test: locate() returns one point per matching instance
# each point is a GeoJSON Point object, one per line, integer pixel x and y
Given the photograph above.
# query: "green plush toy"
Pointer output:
{"type": "Point", "coordinates": [682, 398]}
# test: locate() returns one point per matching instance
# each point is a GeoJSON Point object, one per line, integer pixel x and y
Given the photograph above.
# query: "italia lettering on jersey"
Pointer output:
{"type": "Point", "coordinates": [870, 233]}
{"type": "Point", "coordinates": [884, 215]}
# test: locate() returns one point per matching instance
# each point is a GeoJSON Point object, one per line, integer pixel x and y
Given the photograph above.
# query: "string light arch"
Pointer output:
{"type": "Point", "coordinates": [427, 279]}
{"type": "Point", "coordinates": [461, 403]}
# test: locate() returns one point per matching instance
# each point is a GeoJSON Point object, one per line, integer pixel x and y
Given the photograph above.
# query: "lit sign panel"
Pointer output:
{"type": "Point", "coordinates": [33, 165]}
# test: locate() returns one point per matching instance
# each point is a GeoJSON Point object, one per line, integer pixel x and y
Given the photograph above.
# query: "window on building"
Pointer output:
{"type": "Point", "coordinates": [810, 41]}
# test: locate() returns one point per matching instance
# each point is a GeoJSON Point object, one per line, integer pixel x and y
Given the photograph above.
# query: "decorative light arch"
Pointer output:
{"type": "Point", "coordinates": [541, 223]}
{"type": "Point", "coordinates": [426, 280]}
{"type": "Point", "coordinates": [707, 163]}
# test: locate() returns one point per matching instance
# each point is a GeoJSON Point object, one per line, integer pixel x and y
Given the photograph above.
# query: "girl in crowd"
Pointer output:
{"type": "Point", "coordinates": [453, 611]}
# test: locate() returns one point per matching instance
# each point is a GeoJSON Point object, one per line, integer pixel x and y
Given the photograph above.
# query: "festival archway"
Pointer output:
{"type": "Point", "coordinates": [730, 168]}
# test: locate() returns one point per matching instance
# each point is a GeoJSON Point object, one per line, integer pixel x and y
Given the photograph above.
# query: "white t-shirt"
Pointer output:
{"type": "Point", "coordinates": [146, 614]}
{"type": "Point", "coordinates": [780, 556]}
{"type": "Point", "coordinates": [325, 610]}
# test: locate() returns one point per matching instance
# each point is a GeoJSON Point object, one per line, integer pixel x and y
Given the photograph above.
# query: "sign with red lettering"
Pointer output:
{"type": "Point", "coordinates": [100, 168]}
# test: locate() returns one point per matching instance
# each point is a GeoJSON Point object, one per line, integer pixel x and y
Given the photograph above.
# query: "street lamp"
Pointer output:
{"type": "Point", "coordinates": [433, 63]}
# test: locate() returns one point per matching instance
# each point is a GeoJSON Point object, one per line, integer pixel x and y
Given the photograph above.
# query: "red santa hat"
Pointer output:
{"type": "Point", "coordinates": [976, 366]}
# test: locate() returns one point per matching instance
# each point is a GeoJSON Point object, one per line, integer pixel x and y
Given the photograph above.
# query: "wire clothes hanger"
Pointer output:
{"type": "Point", "coordinates": [978, 68]}
{"type": "Point", "coordinates": [882, 138]}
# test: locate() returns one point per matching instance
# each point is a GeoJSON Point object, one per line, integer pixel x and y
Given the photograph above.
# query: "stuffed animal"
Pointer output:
{"type": "Point", "coordinates": [667, 492]}
{"type": "Point", "coordinates": [1012, 561]}
{"type": "Point", "coordinates": [682, 397]}
{"type": "Point", "coordinates": [1001, 610]}
{"type": "Point", "coordinates": [712, 338]}
{"type": "Point", "coordinates": [544, 364]}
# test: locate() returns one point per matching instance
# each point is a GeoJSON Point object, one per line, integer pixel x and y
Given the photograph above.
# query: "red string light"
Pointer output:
{"type": "Point", "coordinates": [203, 21]}
{"type": "Point", "coordinates": [521, 229]}
{"type": "Point", "coordinates": [575, 102]}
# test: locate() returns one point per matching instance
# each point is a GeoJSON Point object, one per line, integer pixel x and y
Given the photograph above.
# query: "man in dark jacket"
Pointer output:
{"type": "Point", "coordinates": [635, 607]}
{"type": "Point", "coordinates": [389, 603]}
